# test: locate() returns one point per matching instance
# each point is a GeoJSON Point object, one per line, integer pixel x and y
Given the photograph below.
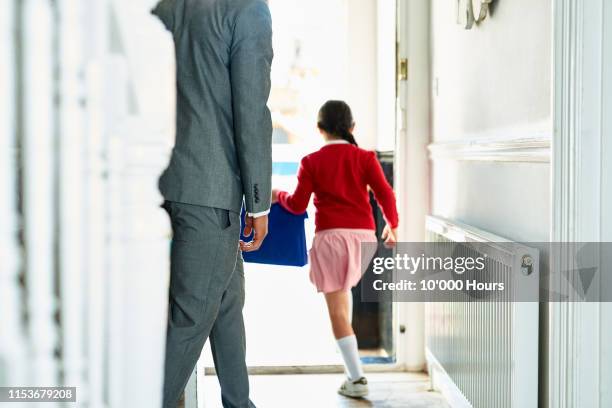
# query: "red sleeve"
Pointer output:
{"type": "Point", "coordinates": [375, 177]}
{"type": "Point", "coordinates": [297, 203]}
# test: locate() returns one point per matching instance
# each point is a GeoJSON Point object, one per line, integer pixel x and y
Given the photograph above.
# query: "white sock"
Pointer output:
{"type": "Point", "coordinates": [350, 354]}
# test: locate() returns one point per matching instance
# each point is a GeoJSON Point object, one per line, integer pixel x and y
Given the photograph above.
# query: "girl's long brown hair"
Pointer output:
{"type": "Point", "coordinates": [336, 118]}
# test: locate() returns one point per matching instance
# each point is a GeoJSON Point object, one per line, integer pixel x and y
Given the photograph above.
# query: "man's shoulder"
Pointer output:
{"type": "Point", "coordinates": [243, 4]}
{"type": "Point", "coordinates": [246, 6]}
{"type": "Point", "coordinates": [249, 10]}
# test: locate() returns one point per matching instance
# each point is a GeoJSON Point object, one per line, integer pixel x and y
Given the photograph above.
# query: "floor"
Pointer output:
{"type": "Point", "coordinates": [397, 390]}
{"type": "Point", "coordinates": [284, 313]}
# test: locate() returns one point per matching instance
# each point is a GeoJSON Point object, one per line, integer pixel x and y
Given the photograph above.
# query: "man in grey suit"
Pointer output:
{"type": "Point", "coordinates": [222, 156]}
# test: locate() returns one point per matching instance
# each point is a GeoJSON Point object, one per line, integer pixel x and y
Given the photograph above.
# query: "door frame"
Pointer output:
{"type": "Point", "coordinates": [577, 364]}
{"type": "Point", "coordinates": [412, 167]}
{"type": "Point", "coordinates": [195, 386]}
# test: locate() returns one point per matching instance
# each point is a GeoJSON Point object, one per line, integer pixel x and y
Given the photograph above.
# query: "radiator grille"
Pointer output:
{"type": "Point", "coordinates": [482, 346]}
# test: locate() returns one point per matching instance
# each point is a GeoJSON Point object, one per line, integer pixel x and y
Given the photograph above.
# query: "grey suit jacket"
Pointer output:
{"type": "Point", "coordinates": [223, 149]}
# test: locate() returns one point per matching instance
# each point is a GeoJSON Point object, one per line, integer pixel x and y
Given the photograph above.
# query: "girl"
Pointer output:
{"type": "Point", "coordinates": [339, 175]}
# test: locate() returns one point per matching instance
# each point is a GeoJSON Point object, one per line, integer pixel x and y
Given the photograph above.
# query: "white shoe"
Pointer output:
{"type": "Point", "coordinates": [354, 389]}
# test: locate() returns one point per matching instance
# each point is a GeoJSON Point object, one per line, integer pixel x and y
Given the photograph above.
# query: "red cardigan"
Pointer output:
{"type": "Point", "coordinates": [339, 175]}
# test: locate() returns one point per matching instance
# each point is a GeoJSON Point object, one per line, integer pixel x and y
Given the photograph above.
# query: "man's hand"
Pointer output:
{"type": "Point", "coordinates": [260, 226]}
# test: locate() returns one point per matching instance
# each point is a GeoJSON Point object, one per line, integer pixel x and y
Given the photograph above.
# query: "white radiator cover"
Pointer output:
{"type": "Point", "coordinates": [483, 355]}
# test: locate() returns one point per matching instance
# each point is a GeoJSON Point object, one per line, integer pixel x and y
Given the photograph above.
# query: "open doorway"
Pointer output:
{"type": "Point", "coordinates": [324, 49]}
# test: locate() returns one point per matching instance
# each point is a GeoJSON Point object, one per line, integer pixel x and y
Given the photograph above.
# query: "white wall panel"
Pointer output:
{"type": "Point", "coordinates": [362, 68]}
{"type": "Point", "coordinates": [94, 253]}
{"type": "Point", "coordinates": [579, 362]}
{"type": "Point", "coordinates": [71, 196]}
{"type": "Point", "coordinates": [412, 165]}
{"type": "Point", "coordinates": [493, 84]}
{"type": "Point", "coordinates": [606, 308]}
{"type": "Point", "coordinates": [490, 83]}
{"type": "Point", "coordinates": [13, 358]}
{"type": "Point", "coordinates": [38, 157]}
{"type": "Point", "coordinates": [139, 108]}
{"type": "Point", "coordinates": [509, 198]}
{"type": "Point", "coordinates": [496, 77]}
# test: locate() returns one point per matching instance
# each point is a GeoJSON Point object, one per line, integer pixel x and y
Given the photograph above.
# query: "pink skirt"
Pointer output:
{"type": "Point", "coordinates": [336, 258]}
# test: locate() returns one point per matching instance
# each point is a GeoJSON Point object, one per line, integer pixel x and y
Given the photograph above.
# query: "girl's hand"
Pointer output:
{"type": "Point", "coordinates": [275, 195]}
{"type": "Point", "coordinates": [389, 235]}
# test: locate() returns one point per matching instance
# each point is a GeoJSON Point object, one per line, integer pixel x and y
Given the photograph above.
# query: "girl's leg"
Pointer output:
{"type": "Point", "coordinates": [338, 305]}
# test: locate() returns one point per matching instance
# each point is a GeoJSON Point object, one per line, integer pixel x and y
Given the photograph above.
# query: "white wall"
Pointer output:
{"type": "Point", "coordinates": [89, 136]}
{"type": "Point", "coordinates": [362, 70]}
{"type": "Point", "coordinates": [386, 78]}
{"type": "Point", "coordinates": [338, 59]}
{"type": "Point", "coordinates": [579, 332]}
{"type": "Point", "coordinates": [606, 308]}
{"type": "Point", "coordinates": [371, 71]}
{"type": "Point", "coordinates": [492, 81]}
{"type": "Point", "coordinates": [509, 199]}
{"type": "Point", "coordinates": [494, 77]}
{"type": "Point", "coordinates": [139, 94]}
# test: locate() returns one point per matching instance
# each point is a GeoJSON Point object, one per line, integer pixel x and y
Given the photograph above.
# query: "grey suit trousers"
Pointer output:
{"type": "Point", "coordinates": [206, 300]}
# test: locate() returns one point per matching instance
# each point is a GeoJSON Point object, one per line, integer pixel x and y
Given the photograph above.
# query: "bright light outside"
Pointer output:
{"type": "Point", "coordinates": [324, 49]}
{"type": "Point", "coordinates": [310, 66]}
